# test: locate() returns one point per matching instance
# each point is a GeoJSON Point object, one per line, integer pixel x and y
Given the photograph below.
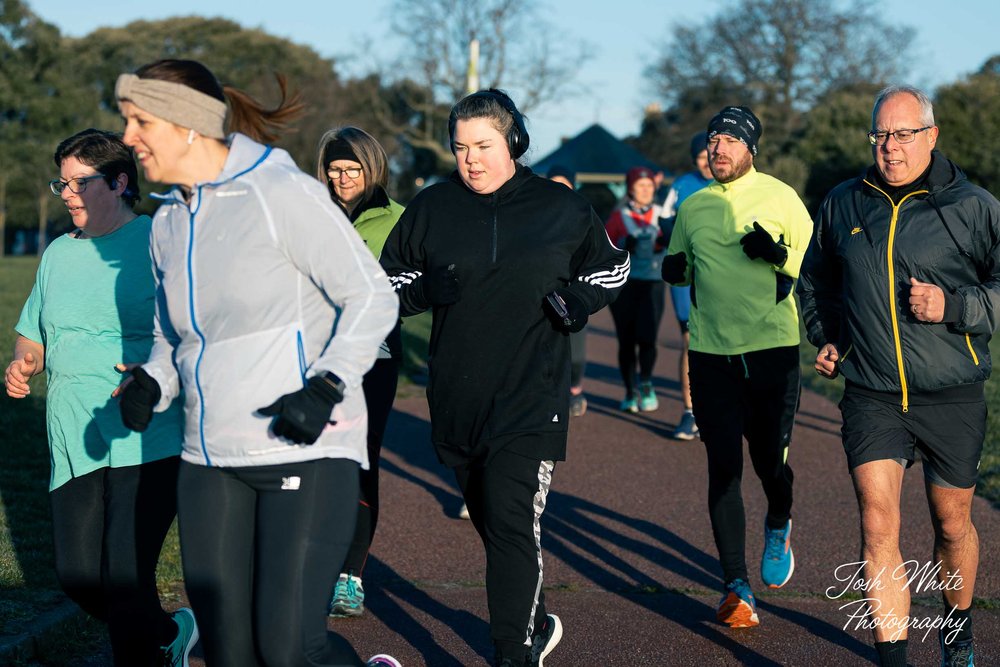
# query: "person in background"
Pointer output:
{"type": "Point", "coordinates": [739, 243]}
{"type": "Point", "coordinates": [578, 340]}
{"type": "Point", "coordinates": [900, 293]}
{"type": "Point", "coordinates": [355, 168]}
{"type": "Point", "coordinates": [269, 310]}
{"type": "Point", "coordinates": [113, 492]}
{"type": "Point", "coordinates": [634, 227]}
{"type": "Point", "coordinates": [680, 296]}
{"type": "Point", "coordinates": [509, 262]}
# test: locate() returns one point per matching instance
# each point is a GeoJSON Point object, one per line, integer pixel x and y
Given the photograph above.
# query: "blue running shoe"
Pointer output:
{"type": "Point", "coordinates": [348, 597]}
{"type": "Point", "coordinates": [738, 608]}
{"type": "Point", "coordinates": [630, 404]}
{"type": "Point", "coordinates": [778, 562]}
{"type": "Point", "coordinates": [957, 653]}
{"type": "Point", "coordinates": [175, 654]}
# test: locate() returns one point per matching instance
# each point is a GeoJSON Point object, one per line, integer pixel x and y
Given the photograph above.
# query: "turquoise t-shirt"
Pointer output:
{"type": "Point", "coordinates": [92, 307]}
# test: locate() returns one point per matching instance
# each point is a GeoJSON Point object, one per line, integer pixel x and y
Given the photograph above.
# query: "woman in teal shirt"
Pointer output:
{"type": "Point", "coordinates": [112, 491]}
{"type": "Point", "coordinates": [355, 169]}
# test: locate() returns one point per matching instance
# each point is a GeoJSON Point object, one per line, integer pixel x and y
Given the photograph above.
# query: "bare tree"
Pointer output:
{"type": "Point", "coordinates": [517, 50]}
{"type": "Point", "coordinates": [783, 55]}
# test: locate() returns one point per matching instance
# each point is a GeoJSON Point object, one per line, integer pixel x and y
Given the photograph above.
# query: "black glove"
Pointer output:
{"type": "Point", "coordinates": [630, 242]}
{"type": "Point", "coordinates": [137, 399]}
{"type": "Point", "coordinates": [758, 244]}
{"type": "Point", "coordinates": [441, 286]}
{"type": "Point", "coordinates": [302, 415]}
{"type": "Point", "coordinates": [566, 310]}
{"type": "Point", "coordinates": [674, 267]}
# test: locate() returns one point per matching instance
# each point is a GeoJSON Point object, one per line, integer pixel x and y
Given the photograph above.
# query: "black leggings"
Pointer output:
{"type": "Point", "coordinates": [506, 498]}
{"type": "Point", "coordinates": [380, 391]}
{"type": "Point", "coordinates": [753, 395]}
{"type": "Point", "coordinates": [637, 312]}
{"type": "Point", "coordinates": [257, 545]}
{"type": "Point", "coordinates": [108, 528]}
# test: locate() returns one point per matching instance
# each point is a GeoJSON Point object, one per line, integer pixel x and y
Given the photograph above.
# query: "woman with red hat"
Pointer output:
{"type": "Point", "coordinates": [637, 311]}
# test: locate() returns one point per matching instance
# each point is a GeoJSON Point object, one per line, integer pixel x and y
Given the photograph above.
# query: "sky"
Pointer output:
{"type": "Point", "coordinates": [950, 40]}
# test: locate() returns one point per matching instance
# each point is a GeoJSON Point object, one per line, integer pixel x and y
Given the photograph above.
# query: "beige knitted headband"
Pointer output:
{"type": "Point", "coordinates": [176, 103]}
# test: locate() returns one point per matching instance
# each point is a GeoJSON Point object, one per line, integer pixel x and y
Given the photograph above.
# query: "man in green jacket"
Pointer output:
{"type": "Point", "coordinates": [739, 243]}
{"type": "Point", "coordinates": [901, 293]}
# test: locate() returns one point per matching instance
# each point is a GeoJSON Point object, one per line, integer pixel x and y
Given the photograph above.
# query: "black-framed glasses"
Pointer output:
{"type": "Point", "coordinates": [335, 172]}
{"type": "Point", "coordinates": [75, 185]}
{"type": "Point", "coordinates": [902, 136]}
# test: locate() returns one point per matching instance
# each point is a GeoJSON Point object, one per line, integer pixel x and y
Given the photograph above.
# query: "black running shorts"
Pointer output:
{"type": "Point", "coordinates": [948, 436]}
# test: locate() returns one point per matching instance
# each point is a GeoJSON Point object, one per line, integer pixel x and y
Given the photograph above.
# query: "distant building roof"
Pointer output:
{"type": "Point", "coordinates": [596, 156]}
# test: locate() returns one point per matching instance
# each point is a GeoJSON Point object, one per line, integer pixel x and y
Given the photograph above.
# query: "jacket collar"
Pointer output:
{"type": "Point", "coordinates": [746, 180]}
{"type": "Point", "coordinates": [520, 177]}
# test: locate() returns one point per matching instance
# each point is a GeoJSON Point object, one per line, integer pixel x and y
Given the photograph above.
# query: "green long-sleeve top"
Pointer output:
{"type": "Point", "coordinates": [738, 304]}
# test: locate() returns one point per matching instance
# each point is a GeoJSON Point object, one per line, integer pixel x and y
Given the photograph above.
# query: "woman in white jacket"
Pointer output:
{"type": "Point", "coordinates": [269, 311]}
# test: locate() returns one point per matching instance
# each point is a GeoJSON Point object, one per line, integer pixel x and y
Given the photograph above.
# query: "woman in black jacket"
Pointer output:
{"type": "Point", "coordinates": [510, 263]}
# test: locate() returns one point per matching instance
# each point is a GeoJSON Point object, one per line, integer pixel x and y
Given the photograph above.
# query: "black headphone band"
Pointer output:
{"type": "Point", "coordinates": [517, 138]}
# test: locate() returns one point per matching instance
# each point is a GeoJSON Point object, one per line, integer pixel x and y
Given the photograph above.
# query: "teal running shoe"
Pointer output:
{"type": "Point", "coordinates": [630, 404]}
{"type": "Point", "coordinates": [647, 397]}
{"type": "Point", "coordinates": [778, 562]}
{"type": "Point", "coordinates": [957, 653]}
{"type": "Point", "coordinates": [348, 597]}
{"type": "Point", "coordinates": [175, 654]}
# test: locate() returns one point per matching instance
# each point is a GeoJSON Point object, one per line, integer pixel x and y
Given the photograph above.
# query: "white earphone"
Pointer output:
{"type": "Point", "coordinates": [190, 137]}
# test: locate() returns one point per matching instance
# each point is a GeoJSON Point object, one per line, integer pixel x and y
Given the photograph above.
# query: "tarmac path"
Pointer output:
{"type": "Point", "coordinates": [630, 565]}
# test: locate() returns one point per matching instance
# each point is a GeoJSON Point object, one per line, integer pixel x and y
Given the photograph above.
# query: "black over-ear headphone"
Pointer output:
{"type": "Point", "coordinates": [517, 138]}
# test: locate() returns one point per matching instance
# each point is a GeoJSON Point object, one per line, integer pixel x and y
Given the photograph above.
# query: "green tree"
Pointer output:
{"type": "Point", "coordinates": [965, 111]}
{"type": "Point", "coordinates": [833, 142]}
{"type": "Point", "coordinates": [241, 57]}
{"type": "Point", "coordinates": [41, 102]}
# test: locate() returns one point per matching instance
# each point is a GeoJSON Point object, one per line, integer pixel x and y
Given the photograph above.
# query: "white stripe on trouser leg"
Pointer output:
{"type": "Point", "coordinates": [544, 480]}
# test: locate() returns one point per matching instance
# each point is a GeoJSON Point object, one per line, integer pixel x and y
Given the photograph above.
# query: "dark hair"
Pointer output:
{"type": "Point", "coordinates": [107, 154]}
{"type": "Point", "coordinates": [368, 152]}
{"type": "Point", "coordinates": [246, 115]}
{"type": "Point", "coordinates": [496, 106]}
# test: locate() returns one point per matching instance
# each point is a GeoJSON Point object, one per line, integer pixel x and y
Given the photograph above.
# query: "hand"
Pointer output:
{"type": "Point", "coordinates": [566, 310]}
{"type": "Point", "coordinates": [827, 361]}
{"type": "Point", "coordinates": [18, 373]}
{"type": "Point", "coordinates": [758, 244]}
{"type": "Point", "coordinates": [674, 267]}
{"type": "Point", "coordinates": [630, 243]}
{"type": "Point", "coordinates": [137, 397]}
{"type": "Point", "coordinates": [441, 286]}
{"type": "Point", "coordinates": [302, 415]}
{"type": "Point", "coordinates": [926, 301]}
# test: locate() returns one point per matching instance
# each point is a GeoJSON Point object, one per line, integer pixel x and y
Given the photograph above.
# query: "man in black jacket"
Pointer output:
{"type": "Point", "coordinates": [900, 291]}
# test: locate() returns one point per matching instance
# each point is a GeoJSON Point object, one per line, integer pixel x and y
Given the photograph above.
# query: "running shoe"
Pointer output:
{"type": "Point", "coordinates": [647, 397]}
{"type": "Point", "coordinates": [546, 640]}
{"type": "Point", "coordinates": [778, 562]}
{"type": "Point", "coordinates": [687, 429]}
{"type": "Point", "coordinates": [383, 660]}
{"type": "Point", "coordinates": [630, 404]}
{"type": "Point", "coordinates": [175, 654]}
{"type": "Point", "coordinates": [577, 405]}
{"type": "Point", "coordinates": [738, 608]}
{"type": "Point", "coordinates": [348, 597]}
{"type": "Point", "coordinates": [957, 653]}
